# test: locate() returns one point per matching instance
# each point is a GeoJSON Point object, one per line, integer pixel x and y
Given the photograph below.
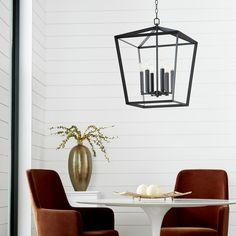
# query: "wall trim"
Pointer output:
{"type": "Point", "coordinates": [14, 120]}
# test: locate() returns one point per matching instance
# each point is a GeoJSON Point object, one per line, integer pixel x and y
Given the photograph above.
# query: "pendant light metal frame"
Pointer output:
{"type": "Point", "coordinates": [157, 31]}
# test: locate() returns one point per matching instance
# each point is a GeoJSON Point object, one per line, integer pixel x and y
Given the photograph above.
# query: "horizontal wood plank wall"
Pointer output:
{"type": "Point", "coordinates": [38, 86]}
{"type": "Point", "coordinates": [5, 117]}
{"type": "Point", "coordinates": [84, 87]}
{"type": "Point", "coordinates": [39, 82]}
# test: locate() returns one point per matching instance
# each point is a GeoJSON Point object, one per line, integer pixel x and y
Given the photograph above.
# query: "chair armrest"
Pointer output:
{"type": "Point", "coordinates": [52, 222]}
{"type": "Point", "coordinates": [96, 218]}
{"type": "Point", "coordinates": [171, 218]}
{"type": "Point", "coordinates": [223, 221]}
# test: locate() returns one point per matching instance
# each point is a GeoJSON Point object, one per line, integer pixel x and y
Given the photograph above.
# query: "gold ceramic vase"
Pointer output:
{"type": "Point", "coordinates": [80, 167]}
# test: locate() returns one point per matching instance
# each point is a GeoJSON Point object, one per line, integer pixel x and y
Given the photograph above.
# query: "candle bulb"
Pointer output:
{"type": "Point", "coordinates": [141, 80]}
{"type": "Point", "coordinates": [166, 83]}
{"type": "Point", "coordinates": [157, 80]}
{"type": "Point", "coordinates": [172, 78]}
{"type": "Point", "coordinates": [162, 73]}
{"type": "Point", "coordinates": [147, 74]}
{"type": "Point", "coordinates": [152, 82]}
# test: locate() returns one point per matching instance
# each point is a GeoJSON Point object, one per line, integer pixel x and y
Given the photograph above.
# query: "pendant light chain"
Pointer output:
{"type": "Point", "coordinates": [156, 20]}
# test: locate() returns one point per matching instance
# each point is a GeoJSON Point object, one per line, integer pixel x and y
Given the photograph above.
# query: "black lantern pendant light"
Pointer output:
{"type": "Point", "coordinates": [156, 66]}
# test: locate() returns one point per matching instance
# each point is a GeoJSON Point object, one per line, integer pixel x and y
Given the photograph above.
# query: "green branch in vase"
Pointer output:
{"type": "Point", "coordinates": [92, 134]}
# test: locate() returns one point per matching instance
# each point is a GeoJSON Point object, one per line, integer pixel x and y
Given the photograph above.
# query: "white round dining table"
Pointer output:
{"type": "Point", "coordinates": [157, 208]}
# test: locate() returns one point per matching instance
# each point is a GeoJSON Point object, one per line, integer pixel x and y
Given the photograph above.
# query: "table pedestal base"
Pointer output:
{"type": "Point", "coordinates": [155, 215]}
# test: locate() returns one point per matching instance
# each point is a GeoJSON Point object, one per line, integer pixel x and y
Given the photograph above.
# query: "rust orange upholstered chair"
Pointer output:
{"type": "Point", "coordinates": [200, 221]}
{"type": "Point", "coordinates": [55, 217]}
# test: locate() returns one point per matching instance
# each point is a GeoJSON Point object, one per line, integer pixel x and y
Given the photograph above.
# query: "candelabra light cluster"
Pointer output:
{"type": "Point", "coordinates": [166, 60]}
{"type": "Point", "coordinates": [148, 83]}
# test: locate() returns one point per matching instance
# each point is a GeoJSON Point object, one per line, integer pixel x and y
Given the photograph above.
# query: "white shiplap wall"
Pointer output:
{"type": "Point", "coordinates": [83, 87]}
{"type": "Point", "coordinates": [38, 86]}
{"type": "Point", "coordinates": [5, 118]}
{"type": "Point", "coordinates": [39, 82]}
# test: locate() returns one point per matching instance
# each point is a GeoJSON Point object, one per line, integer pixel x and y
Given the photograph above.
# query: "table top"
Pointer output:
{"type": "Point", "coordinates": [184, 202]}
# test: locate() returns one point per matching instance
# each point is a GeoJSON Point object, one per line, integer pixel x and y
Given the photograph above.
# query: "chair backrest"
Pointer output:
{"type": "Point", "coordinates": [47, 190]}
{"type": "Point", "coordinates": [204, 183]}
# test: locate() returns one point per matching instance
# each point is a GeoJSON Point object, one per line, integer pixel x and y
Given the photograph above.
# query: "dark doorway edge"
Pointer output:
{"type": "Point", "coordinates": [14, 119]}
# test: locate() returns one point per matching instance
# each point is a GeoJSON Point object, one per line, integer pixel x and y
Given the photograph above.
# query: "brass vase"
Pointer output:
{"type": "Point", "coordinates": [80, 167]}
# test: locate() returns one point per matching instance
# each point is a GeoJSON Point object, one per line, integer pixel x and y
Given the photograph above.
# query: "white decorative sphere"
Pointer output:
{"type": "Point", "coordinates": [142, 189]}
{"type": "Point", "coordinates": [154, 191]}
